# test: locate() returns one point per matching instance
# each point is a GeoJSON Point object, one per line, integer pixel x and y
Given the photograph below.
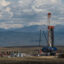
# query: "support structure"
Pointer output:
{"type": "Point", "coordinates": [51, 36]}
{"type": "Point", "coordinates": [40, 38]}
{"type": "Point", "coordinates": [50, 32]}
{"type": "Point", "coordinates": [50, 49]}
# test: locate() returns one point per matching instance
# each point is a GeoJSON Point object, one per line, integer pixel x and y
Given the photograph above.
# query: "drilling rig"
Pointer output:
{"type": "Point", "coordinates": [50, 49]}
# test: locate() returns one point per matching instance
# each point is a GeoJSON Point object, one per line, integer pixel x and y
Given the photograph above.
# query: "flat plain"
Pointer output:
{"type": "Point", "coordinates": [32, 59]}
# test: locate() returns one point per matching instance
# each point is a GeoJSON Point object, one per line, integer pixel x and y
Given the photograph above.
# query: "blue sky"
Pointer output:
{"type": "Point", "coordinates": [20, 13]}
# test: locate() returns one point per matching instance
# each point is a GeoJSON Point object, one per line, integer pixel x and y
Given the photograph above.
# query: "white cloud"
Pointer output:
{"type": "Point", "coordinates": [4, 3]}
{"type": "Point", "coordinates": [5, 11]}
{"type": "Point", "coordinates": [8, 9]}
{"type": "Point", "coordinates": [37, 10]}
{"type": "Point", "coordinates": [0, 16]}
{"type": "Point", "coordinates": [55, 1]}
{"type": "Point", "coordinates": [38, 23]}
{"type": "Point", "coordinates": [31, 12]}
{"type": "Point", "coordinates": [59, 23]}
{"type": "Point", "coordinates": [8, 26]}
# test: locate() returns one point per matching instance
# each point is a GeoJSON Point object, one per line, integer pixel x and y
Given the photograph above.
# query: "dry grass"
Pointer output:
{"type": "Point", "coordinates": [32, 60]}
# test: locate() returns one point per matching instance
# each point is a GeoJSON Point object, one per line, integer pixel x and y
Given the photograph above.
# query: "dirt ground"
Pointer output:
{"type": "Point", "coordinates": [32, 60]}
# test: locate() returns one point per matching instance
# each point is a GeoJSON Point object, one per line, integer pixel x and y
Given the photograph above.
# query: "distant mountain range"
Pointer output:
{"type": "Point", "coordinates": [29, 36]}
{"type": "Point", "coordinates": [34, 28]}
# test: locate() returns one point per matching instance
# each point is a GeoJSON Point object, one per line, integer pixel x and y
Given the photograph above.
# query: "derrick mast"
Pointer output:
{"type": "Point", "coordinates": [50, 49]}
{"type": "Point", "coordinates": [50, 32]}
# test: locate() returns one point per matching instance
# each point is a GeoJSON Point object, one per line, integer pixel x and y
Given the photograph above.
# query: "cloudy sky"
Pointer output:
{"type": "Point", "coordinates": [20, 13]}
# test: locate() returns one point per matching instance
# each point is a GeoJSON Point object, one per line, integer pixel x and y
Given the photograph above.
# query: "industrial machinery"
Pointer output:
{"type": "Point", "coordinates": [50, 49]}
